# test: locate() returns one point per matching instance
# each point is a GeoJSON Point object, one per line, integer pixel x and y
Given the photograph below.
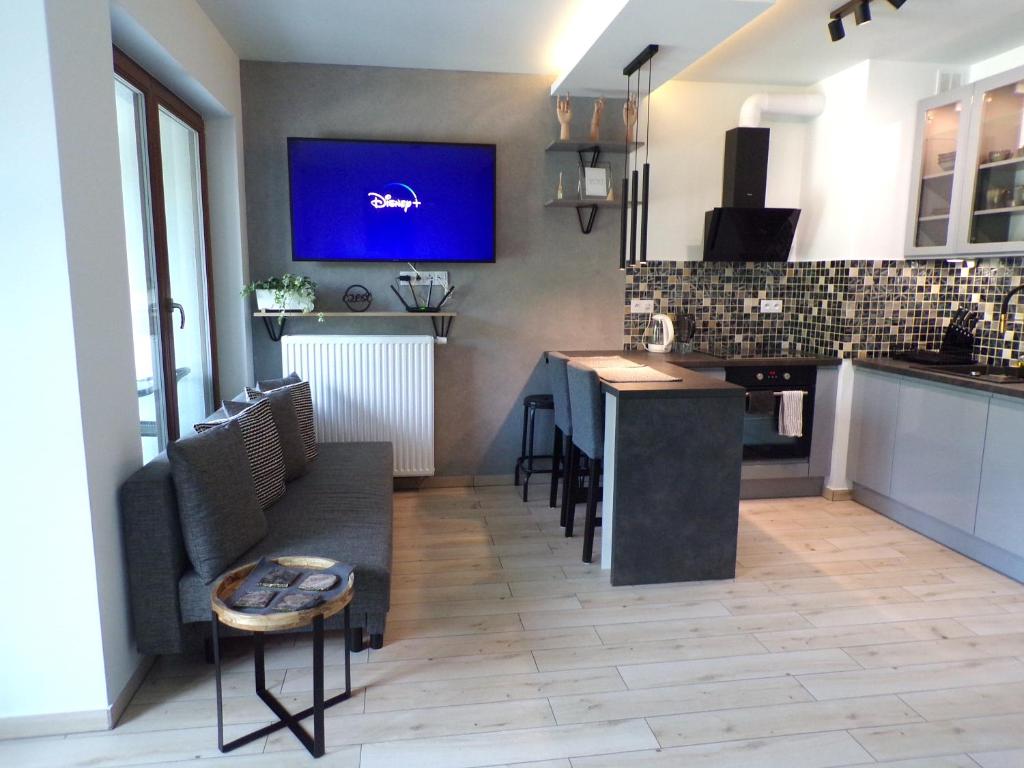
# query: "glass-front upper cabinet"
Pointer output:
{"type": "Point", "coordinates": [996, 203]}
{"type": "Point", "coordinates": [940, 149]}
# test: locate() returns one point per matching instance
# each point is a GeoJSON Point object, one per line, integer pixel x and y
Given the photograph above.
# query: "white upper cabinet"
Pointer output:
{"type": "Point", "coordinates": [939, 171]}
{"type": "Point", "coordinates": [968, 194]}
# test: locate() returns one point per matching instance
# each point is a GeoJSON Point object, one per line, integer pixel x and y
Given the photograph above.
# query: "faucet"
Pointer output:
{"type": "Point", "coordinates": [1004, 309]}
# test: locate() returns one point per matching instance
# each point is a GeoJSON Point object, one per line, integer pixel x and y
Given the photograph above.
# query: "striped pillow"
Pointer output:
{"type": "Point", "coordinates": [302, 397]}
{"type": "Point", "coordinates": [262, 445]}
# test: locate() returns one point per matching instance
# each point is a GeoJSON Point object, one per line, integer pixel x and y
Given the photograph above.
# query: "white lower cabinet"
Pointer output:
{"type": "Point", "coordinates": [873, 429]}
{"type": "Point", "coordinates": [1001, 500]}
{"type": "Point", "coordinates": [940, 443]}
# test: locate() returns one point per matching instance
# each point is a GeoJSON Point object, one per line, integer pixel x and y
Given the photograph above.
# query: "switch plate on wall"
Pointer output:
{"type": "Point", "coordinates": [771, 306]}
{"type": "Point", "coordinates": [641, 306]}
{"type": "Point", "coordinates": [425, 277]}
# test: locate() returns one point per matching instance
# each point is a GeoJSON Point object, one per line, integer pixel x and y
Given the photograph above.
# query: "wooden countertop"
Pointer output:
{"type": "Point", "coordinates": [692, 383]}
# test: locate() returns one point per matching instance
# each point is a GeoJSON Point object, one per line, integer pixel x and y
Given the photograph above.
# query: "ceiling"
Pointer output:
{"type": "Point", "coordinates": [583, 44]}
{"type": "Point", "coordinates": [789, 44]}
{"type": "Point", "coordinates": [520, 36]}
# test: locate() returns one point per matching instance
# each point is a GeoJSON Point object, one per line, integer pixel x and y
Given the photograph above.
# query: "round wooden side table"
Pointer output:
{"type": "Point", "coordinates": [259, 624]}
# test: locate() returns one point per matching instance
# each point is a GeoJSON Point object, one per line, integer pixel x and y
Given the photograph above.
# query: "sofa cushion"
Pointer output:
{"type": "Point", "coordinates": [341, 508]}
{"type": "Point", "coordinates": [262, 446]}
{"type": "Point", "coordinates": [302, 396]}
{"type": "Point", "coordinates": [286, 420]}
{"type": "Point", "coordinates": [220, 513]}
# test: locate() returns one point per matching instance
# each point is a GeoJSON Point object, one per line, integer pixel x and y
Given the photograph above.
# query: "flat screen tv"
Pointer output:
{"type": "Point", "coordinates": [391, 201]}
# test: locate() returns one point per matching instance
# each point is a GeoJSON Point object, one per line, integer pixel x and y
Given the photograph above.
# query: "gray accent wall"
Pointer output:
{"type": "Point", "coordinates": [550, 288]}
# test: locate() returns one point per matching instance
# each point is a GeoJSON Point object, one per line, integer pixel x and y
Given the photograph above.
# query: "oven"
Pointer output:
{"type": "Point", "coordinates": [761, 438]}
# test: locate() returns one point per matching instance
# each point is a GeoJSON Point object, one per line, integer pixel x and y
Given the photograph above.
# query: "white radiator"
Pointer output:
{"type": "Point", "coordinates": [371, 388]}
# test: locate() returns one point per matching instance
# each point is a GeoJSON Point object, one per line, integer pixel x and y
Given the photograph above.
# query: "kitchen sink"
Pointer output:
{"type": "Point", "coordinates": [992, 373]}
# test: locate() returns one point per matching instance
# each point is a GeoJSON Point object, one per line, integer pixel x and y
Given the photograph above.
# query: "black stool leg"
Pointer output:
{"type": "Point", "coordinates": [556, 467]}
{"type": "Point", "coordinates": [572, 487]}
{"type": "Point", "coordinates": [522, 446]}
{"type": "Point", "coordinates": [355, 640]}
{"type": "Point", "coordinates": [568, 474]}
{"type": "Point", "coordinates": [529, 452]}
{"type": "Point", "coordinates": [588, 529]}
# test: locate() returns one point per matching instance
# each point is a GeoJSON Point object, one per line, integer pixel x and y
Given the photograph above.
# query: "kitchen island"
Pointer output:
{"type": "Point", "coordinates": [672, 462]}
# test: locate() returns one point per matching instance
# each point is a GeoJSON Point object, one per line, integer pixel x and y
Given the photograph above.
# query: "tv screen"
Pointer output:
{"type": "Point", "coordinates": [391, 201]}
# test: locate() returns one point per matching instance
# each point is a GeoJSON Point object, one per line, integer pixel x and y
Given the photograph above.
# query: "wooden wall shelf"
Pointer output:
{"type": "Point", "coordinates": [275, 320]}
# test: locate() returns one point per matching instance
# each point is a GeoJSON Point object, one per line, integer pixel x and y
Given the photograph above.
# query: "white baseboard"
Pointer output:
{"type": "Point", "coordinates": [60, 723]}
{"type": "Point", "coordinates": [128, 692]}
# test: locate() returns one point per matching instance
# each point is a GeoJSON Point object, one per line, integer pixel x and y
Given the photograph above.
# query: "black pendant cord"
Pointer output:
{"type": "Point", "coordinates": [624, 212]}
{"type": "Point", "coordinates": [647, 169]}
{"type": "Point", "coordinates": [635, 178]}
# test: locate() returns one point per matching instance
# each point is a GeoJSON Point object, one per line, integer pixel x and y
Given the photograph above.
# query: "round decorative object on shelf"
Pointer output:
{"type": "Point", "coordinates": [357, 298]}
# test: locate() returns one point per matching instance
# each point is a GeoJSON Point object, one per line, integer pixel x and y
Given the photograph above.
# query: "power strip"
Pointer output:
{"type": "Point", "coordinates": [425, 277]}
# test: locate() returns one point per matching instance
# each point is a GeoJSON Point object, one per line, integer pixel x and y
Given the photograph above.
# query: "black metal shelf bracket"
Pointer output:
{"type": "Point", "coordinates": [442, 325]}
{"type": "Point", "coordinates": [585, 228]}
{"type": "Point", "coordinates": [595, 153]}
{"type": "Point", "coordinates": [275, 327]}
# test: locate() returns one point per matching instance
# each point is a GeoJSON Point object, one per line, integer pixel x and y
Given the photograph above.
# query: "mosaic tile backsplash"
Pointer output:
{"type": "Point", "coordinates": [834, 308]}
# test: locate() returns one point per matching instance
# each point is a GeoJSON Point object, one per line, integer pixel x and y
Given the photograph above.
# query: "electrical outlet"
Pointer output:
{"type": "Point", "coordinates": [771, 306]}
{"type": "Point", "coordinates": [641, 306]}
{"type": "Point", "coordinates": [426, 277]}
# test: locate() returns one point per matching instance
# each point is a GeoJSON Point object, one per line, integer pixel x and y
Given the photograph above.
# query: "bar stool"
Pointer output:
{"type": "Point", "coordinates": [524, 464]}
{"type": "Point", "coordinates": [588, 438]}
{"type": "Point", "coordinates": [562, 449]}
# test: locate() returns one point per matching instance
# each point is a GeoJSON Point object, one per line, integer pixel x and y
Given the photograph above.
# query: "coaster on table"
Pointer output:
{"type": "Point", "coordinates": [318, 582]}
{"type": "Point", "coordinates": [296, 602]}
{"type": "Point", "coordinates": [278, 577]}
{"type": "Point", "coordinates": [259, 598]}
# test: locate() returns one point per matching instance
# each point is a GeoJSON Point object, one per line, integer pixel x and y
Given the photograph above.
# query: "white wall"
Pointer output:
{"type": "Point", "coordinates": [856, 183]}
{"type": "Point", "coordinates": [996, 64]}
{"type": "Point", "coordinates": [71, 427]}
{"type": "Point", "coordinates": [687, 145]}
{"type": "Point", "coordinates": [178, 44]}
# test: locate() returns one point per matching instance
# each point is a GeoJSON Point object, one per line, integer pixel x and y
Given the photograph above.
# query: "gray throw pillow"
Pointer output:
{"type": "Point", "coordinates": [262, 446]}
{"type": "Point", "coordinates": [286, 420]}
{"type": "Point", "coordinates": [221, 517]}
{"type": "Point", "coordinates": [302, 396]}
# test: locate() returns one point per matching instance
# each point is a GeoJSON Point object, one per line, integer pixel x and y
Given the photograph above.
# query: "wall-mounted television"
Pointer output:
{"type": "Point", "coordinates": [354, 200]}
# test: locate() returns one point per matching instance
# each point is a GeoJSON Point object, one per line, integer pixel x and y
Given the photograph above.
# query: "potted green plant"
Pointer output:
{"type": "Point", "coordinates": [288, 293]}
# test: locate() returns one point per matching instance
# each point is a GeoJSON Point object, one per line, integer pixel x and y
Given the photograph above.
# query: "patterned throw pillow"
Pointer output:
{"type": "Point", "coordinates": [302, 396]}
{"type": "Point", "coordinates": [262, 445]}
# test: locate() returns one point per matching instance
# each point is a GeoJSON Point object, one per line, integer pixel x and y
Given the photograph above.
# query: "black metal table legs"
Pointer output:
{"type": "Point", "coordinates": [285, 719]}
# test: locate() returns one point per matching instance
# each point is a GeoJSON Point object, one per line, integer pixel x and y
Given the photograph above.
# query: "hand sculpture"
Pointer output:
{"type": "Point", "coordinates": [564, 113]}
{"type": "Point", "coordinates": [629, 112]}
{"type": "Point", "coordinates": [595, 121]}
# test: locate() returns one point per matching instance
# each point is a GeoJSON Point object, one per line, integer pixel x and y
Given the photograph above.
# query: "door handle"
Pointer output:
{"type": "Point", "coordinates": [176, 306]}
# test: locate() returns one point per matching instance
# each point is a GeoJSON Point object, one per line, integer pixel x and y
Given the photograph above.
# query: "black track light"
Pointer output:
{"type": "Point", "coordinates": [862, 13]}
{"type": "Point", "coordinates": [835, 29]}
{"type": "Point", "coordinates": [897, 4]}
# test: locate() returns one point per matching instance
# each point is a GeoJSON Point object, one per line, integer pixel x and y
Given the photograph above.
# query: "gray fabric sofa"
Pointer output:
{"type": "Point", "coordinates": [341, 508]}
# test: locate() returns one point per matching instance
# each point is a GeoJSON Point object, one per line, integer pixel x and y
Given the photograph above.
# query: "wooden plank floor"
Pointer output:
{"type": "Point", "coordinates": [845, 640]}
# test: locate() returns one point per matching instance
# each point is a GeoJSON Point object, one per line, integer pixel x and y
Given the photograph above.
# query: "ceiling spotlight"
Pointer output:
{"type": "Point", "coordinates": [862, 12]}
{"type": "Point", "coordinates": [835, 29]}
{"type": "Point", "coordinates": [897, 4]}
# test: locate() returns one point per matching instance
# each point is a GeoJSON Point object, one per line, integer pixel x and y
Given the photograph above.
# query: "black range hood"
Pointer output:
{"type": "Point", "coordinates": [743, 229]}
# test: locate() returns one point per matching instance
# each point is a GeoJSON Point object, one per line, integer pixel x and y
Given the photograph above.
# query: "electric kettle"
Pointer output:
{"type": "Point", "coordinates": [660, 334]}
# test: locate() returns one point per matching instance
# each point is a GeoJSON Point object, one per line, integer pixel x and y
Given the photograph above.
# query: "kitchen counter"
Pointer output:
{"type": "Point", "coordinates": [916, 371]}
{"type": "Point", "coordinates": [672, 467]}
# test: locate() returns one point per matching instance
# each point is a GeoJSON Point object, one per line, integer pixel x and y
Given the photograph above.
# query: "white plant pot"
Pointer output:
{"type": "Point", "coordinates": [265, 302]}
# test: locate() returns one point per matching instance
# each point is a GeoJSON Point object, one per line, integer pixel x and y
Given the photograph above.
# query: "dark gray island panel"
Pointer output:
{"type": "Point", "coordinates": [675, 488]}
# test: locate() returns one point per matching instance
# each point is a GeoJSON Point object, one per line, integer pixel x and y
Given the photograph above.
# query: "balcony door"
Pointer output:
{"type": "Point", "coordinates": [163, 176]}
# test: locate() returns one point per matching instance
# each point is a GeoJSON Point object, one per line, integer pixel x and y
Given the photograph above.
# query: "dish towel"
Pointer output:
{"type": "Point", "coordinates": [791, 414]}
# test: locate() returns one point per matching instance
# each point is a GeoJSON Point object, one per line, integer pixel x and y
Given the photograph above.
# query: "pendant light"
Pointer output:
{"type": "Point", "coordinates": [631, 181]}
